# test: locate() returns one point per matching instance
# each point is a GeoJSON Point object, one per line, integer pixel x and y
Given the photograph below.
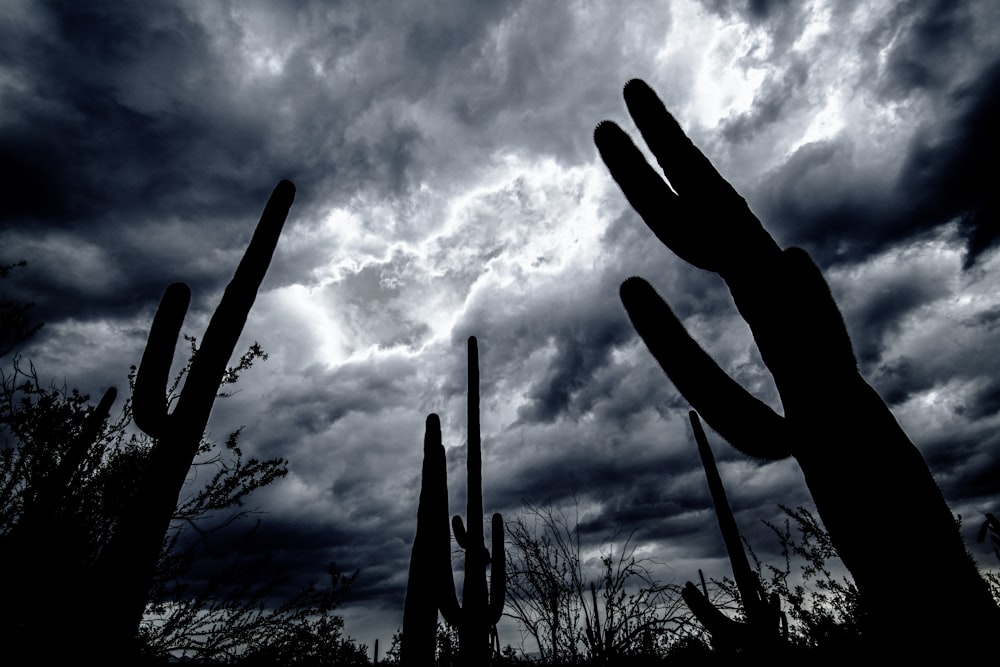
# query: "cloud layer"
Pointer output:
{"type": "Point", "coordinates": [448, 186]}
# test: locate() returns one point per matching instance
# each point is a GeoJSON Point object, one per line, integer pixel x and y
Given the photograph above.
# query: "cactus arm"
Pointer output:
{"type": "Point", "coordinates": [461, 535]}
{"type": "Point", "coordinates": [149, 400]}
{"type": "Point", "coordinates": [725, 631]}
{"type": "Point", "coordinates": [741, 418]}
{"type": "Point", "coordinates": [498, 573]}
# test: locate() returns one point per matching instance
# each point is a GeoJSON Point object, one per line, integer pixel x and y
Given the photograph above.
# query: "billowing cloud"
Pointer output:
{"type": "Point", "coordinates": [448, 186]}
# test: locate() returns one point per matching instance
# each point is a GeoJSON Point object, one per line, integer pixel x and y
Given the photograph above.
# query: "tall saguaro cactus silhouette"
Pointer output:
{"type": "Point", "coordinates": [430, 558]}
{"type": "Point", "coordinates": [859, 465]}
{"type": "Point", "coordinates": [764, 619]}
{"type": "Point", "coordinates": [128, 563]}
{"type": "Point", "coordinates": [431, 573]}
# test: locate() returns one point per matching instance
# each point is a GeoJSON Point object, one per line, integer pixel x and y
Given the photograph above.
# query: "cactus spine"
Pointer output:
{"type": "Point", "coordinates": [764, 618]}
{"type": "Point", "coordinates": [130, 559]}
{"type": "Point", "coordinates": [482, 603]}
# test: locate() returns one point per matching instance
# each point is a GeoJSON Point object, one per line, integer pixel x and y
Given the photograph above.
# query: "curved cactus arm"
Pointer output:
{"type": "Point", "coordinates": [498, 574]}
{"type": "Point", "coordinates": [149, 399]}
{"type": "Point", "coordinates": [745, 421]}
{"type": "Point", "coordinates": [724, 630]}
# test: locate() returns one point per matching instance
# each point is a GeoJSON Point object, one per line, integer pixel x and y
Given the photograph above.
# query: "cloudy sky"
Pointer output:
{"type": "Point", "coordinates": [448, 186]}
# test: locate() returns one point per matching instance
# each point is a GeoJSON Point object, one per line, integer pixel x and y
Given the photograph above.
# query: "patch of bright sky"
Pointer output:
{"type": "Point", "coordinates": [549, 224]}
{"type": "Point", "coordinates": [715, 52]}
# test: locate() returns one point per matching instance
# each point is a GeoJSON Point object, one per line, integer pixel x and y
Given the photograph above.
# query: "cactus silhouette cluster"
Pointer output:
{"type": "Point", "coordinates": [765, 623]}
{"type": "Point", "coordinates": [431, 585]}
{"type": "Point", "coordinates": [859, 465]}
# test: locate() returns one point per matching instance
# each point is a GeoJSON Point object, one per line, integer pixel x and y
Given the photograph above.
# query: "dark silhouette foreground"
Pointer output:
{"type": "Point", "coordinates": [873, 489]}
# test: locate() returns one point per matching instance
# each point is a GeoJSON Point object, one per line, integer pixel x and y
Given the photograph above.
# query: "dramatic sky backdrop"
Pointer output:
{"type": "Point", "coordinates": [448, 186]}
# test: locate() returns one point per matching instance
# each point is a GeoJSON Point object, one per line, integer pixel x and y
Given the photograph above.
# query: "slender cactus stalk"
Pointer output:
{"type": "Point", "coordinates": [763, 615]}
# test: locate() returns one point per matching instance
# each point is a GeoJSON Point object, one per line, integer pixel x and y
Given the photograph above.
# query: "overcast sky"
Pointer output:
{"type": "Point", "coordinates": [448, 186]}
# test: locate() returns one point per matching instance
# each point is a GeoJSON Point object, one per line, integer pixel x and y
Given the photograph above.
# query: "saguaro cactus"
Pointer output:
{"type": "Point", "coordinates": [482, 602]}
{"type": "Point", "coordinates": [128, 563]}
{"type": "Point", "coordinates": [430, 558]}
{"type": "Point", "coordinates": [857, 461]}
{"type": "Point", "coordinates": [764, 619]}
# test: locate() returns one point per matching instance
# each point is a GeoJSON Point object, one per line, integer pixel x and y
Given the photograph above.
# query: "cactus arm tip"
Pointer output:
{"type": "Point", "coordinates": [149, 403]}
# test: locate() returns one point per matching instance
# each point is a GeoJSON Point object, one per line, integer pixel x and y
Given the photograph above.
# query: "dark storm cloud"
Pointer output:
{"type": "Point", "coordinates": [139, 148]}
{"type": "Point", "coordinates": [121, 119]}
{"type": "Point", "coordinates": [826, 198]}
{"type": "Point", "coordinates": [948, 175]}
